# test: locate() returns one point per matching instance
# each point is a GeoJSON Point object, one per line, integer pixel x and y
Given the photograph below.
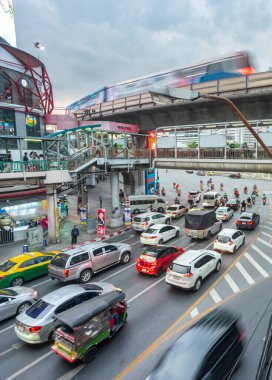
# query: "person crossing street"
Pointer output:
{"type": "Point", "coordinates": [74, 234]}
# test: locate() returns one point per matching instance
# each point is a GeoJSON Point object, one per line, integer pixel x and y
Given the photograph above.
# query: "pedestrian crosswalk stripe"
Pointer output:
{"type": "Point", "coordinates": [215, 296]}
{"type": "Point", "coordinates": [264, 242]}
{"type": "Point", "coordinates": [246, 275]}
{"type": "Point", "coordinates": [266, 234]}
{"type": "Point", "coordinates": [231, 283]}
{"type": "Point", "coordinates": [194, 312]}
{"type": "Point", "coordinates": [267, 258]}
{"type": "Point", "coordinates": [256, 265]}
{"type": "Point", "coordinates": [268, 228]}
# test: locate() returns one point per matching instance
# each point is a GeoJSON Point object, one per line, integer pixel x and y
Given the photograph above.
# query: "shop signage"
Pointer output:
{"type": "Point", "coordinates": [101, 221]}
{"type": "Point", "coordinates": [35, 238]}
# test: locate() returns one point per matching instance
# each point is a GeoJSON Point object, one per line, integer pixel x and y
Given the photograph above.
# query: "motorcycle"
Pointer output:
{"type": "Point", "coordinates": [243, 208]}
{"type": "Point", "coordinates": [249, 204]}
{"type": "Point", "coordinates": [264, 201]}
{"type": "Point", "coordinates": [245, 191]}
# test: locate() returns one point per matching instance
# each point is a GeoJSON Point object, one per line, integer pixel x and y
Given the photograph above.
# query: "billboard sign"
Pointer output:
{"type": "Point", "coordinates": [101, 221]}
{"type": "Point", "coordinates": [7, 26]}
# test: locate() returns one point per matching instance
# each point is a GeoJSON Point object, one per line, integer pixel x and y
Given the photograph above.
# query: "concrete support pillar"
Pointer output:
{"type": "Point", "coordinates": [116, 218]}
{"type": "Point", "coordinates": [139, 184]}
{"type": "Point", "coordinates": [53, 215]}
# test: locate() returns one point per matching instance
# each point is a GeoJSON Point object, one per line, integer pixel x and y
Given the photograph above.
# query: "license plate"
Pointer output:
{"type": "Point", "coordinates": [176, 277]}
{"type": "Point", "coordinates": [144, 270]}
{"type": "Point", "coordinates": [243, 222]}
{"type": "Point", "coordinates": [21, 328]}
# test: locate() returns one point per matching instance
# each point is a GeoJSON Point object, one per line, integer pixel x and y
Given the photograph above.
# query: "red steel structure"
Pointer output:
{"type": "Point", "coordinates": [40, 91]}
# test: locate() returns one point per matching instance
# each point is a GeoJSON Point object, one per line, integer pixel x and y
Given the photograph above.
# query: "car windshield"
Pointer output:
{"type": "Point", "coordinates": [172, 208]}
{"type": "Point", "coordinates": [223, 239]}
{"type": "Point", "coordinates": [39, 309]}
{"type": "Point", "coordinates": [6, 266]}
{"type": "Point", "coordinates": [182, 269]}
{"type": "Point", "coordinates": [152, 230]}
{"type": "Point", "coordinates": [139, 219]}
{"type": "Point", "coordinates": [60, 260]}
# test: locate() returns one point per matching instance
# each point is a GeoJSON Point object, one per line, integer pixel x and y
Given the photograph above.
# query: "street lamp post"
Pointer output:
{"type": "Point", "coordinates": [39, 47]}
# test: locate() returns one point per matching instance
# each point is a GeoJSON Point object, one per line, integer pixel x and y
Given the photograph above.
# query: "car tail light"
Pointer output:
{"type": "Point", "coordinates": [227, 205]}
{"type": "Point", "coordinates": [186, 230]}
{"type": "Point", "coordinates": [250, 223]}
{"type": "Point", "coordinates": [216, 241]}
{"type": "Point", "coordinates": [230, 242]}
{"type": "Point", "coordinates": [1, 277]}
{"type": "Point", "coordinates": [145, 224]}
{"type": "Point", "coordinates": [152, 237]}
{"type": "Point", "coordinates": [137, 260]}
{"type": "Point", "coordinates": [49, 267]}
{"type": "Point", "coordinates": [238, 222]}
{"type": "Point", "coordinates": [188, 274]}
{"type": "Point", "coordinates": [34, 329]}
{"type": "Point", "coordinates": [174, 212]}
{"type": "Point", "coordinates": [225, 215]}
{"type": "Point", "coordinates": [66, 273]}
{"type": "Point", "coordinates": [202, 232]}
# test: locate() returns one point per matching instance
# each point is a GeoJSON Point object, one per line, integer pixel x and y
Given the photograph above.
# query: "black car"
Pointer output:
{"type": "Point", "coordinates": [210, 350]}
{"type": "Point", "coordinates": [248, 221]}
{"type": "Point", "coordinates": [234, 204]}
{"type": "Point", "coordinates": [235, 175]}
{"type": "Point", "coordinates": [201, 173]}
{"type": "Point", "coordinates": [189, 171]}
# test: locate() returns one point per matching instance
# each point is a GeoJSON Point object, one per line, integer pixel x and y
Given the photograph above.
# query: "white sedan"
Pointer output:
{"type": "Point", "coordinates": [158, 234]}
{"type": "Point", "coordinates": [176, 211]}
{"type": "Point", "coordinates": [224, 213]}
{"type": "Point", "coordinates": [229, 240]}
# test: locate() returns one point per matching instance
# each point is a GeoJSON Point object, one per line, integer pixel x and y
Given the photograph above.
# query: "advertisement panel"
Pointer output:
{"type": "Point", "coordinates": [101, 221]}
{"type": "Point", "coordinates": [7, 26]}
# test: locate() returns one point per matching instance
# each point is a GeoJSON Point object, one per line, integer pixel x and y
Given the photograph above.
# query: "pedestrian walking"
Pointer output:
{"type": "Point", "coordinates": [74, 234]}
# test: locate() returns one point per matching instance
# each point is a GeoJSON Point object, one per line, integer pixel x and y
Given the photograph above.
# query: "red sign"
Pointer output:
{"type": "Point", "coordinates": [101, 221]}
{"type": "Point", "coordinates": [151, 137]}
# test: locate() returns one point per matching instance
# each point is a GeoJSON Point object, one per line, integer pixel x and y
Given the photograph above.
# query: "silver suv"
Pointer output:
{"type": "Point", "coordinates": [143, 221]}
{"type": "Point", "coordinates": [82, 262]}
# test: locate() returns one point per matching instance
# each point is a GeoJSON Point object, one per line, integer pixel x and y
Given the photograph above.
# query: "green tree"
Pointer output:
{"type": "Point", "coordinates": [192, 145]}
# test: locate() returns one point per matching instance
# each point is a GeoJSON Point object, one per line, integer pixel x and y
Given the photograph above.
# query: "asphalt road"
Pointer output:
{"type": "Point", "coordinates": [157, 313]}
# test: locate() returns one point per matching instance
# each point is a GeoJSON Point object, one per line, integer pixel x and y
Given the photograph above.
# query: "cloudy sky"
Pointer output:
{"type": "Point", "coordinates": [92, 43]}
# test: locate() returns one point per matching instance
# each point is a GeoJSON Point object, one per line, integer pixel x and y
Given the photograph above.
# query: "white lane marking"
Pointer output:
{"type": "Point", "coordinates": [15, 346]}
{"type": "Point", "coordinates": [129, 237]}
{"type": "Point", "coordinates": [145, 290]}
{"type": "Point", "coordinates": [43, 282]}
{"type": "Point", "coordinates": [183, 237]}
{"type": "Point", "coordinates": [215, 296]}
{"type": "Point", "coordinates": [266, 234]}
{"type": "Point", "coordinates": [69, 375]}
{"type": "Point", "coordinates": [16, 374]}
{"type": "Point", "coordinates": [256, 265]}
{"type": "Point", "coordinates": [119, 271]}
{"type": "Point", "coordinates": [268, 228]}
{"type": "Point", "coordinates": [188, 246]}
{"type": "Point", "coordinates": [264, 242]}
{"type": "Point", "coordinates": [231, 283]}
{"type": "Point", "coordinates": [246, 275]}
{"type": "Point", "coordinates": [261, 253]}
{"type": "Point", "coordinates": [194, 312]}
{"type": "Point", "coordinates": [7, 328]}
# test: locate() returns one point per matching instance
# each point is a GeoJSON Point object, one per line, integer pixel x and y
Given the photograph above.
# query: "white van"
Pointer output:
{"type": "Point", "coordinates": [142, 203]}
{"type": "Point", "coordinates": [210, 197]}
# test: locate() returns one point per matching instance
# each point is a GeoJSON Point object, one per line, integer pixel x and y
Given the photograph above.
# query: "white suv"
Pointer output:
{"type": "Point", "coordinates": [143, 221]}
{"type": "Point", "coordinates": [190, 269]}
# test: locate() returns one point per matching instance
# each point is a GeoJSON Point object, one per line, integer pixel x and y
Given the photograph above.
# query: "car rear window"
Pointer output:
{"type": "Point", "coordinates": [192, 192]}
{"type": "Point", "coordinates": [182, 269]}
{"type": "Point", "coordinates": [152, 251]}
{"type": "Point", "coordinates": [232, 202]}
{"type": "Point", "coordinates": [223, 239]}
{"type": "Point", "coordinates": [139, 219]}
{"type": "Point", "coordinates": [152, 230]}
{"type": "Point", "coordinates": [6, 266]}
{"type": "Point", "coordinates": [208, 196]}
{"type": "Point", "coordinates": [246, 216]}
{"type": "Point", "coordinates": [60, 260]}
{"type": "Point", "coordinates": [39, 309]}
{"type": "Point", "coordinates": [172, 208]}
{"type": "Point", "coordinates": [221, 210]}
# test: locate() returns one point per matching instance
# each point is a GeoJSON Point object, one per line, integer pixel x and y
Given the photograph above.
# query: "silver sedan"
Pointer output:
{"type": "Point", "coordinates": [37, 324]}
{"type": "Point", "coordinates": [16, 300]}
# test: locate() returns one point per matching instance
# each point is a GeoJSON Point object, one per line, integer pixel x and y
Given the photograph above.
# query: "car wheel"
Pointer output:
{"type": "Point", "coordinates": [198, 284]}
{"type": "Point", "coordinates": [218, 266]}
{"type": "Point", "coordinates": [18, 281]}
{"type": "Point", "coordinates": [209, 235]}
{"type": "Point", "coordinates": [167, 221]}
{"type": "Point", "coordinates": [85, 276]}
{"type": "Point", "coordinates": [125, 258]}
{"type": "Point", "coordinates": [234, 249]}
{"type": "Point", "coordinates": [51, 337]}
{"type": "Point", "coordinates": [159, 272]}
{"type": "Point", "coordinates": [23, 307]}
{"type": "Point", "coordinates": [136, 211]}
{"type": "Point", "coordinates": [160, 209]}
{"type": "Point", "coordinates": [161, 241]}
{"type": "Point", "coordinates": [177, 234]}
{"type": "Point", "coordinates": [90, 355]}
{"type": "Point", "coordinates": [243, 241]}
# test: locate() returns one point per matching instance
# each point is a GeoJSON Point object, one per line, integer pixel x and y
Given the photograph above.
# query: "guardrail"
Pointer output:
{"type": "Point", "coordinates": [212, 153]}
{"type": "Point", "coordinates": [253, 83]}
{"type": "Point", "coordinates": [31, 166]}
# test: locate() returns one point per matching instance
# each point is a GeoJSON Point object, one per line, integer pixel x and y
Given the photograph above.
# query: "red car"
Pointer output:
{"type": "Point", "coordinates": [155, 259]}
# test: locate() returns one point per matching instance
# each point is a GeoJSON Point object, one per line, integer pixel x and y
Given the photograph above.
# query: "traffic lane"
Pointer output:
{"type": "Point", "coordinates": [166, 311]}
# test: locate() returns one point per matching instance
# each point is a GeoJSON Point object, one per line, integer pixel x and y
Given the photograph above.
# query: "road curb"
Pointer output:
{"type": "Point", "coordinates": [116, 233]}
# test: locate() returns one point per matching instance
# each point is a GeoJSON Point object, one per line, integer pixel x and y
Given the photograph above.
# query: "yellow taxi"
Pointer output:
{"type": "Point", "coordinates": [25, 267]}
{"type": "Point", "coordinates": [210, 173]}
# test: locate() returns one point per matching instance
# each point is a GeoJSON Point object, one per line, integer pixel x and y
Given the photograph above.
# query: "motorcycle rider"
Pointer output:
{"type": "Point", "coordinates": [245, 189]}
{"type": "Point", "coordinates": [176, 201]}
{"type": "Point", "coordinates": [253, 197]}
{"type": "Point", "coordinates": [264, 199]}
{"type": "Point", "coordinates": [249, 202]}
{"type": "Point", "coordinates": [221, 187]}
{"type": "Point", "coordinates": [243, 206]}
